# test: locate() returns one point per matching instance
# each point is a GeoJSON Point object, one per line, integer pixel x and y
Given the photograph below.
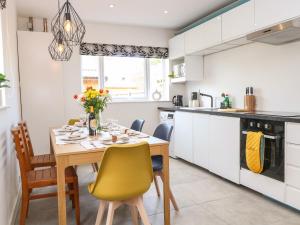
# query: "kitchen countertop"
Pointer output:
{"type": "Point", "coordinates": [275, 116]}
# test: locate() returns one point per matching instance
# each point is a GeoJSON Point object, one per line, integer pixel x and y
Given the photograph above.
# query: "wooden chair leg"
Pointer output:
{"type": "Point", "coordinates": [156, 186]}
{"type": "Point", "coordinates": [76, 201]}
{"type": "Point", "coordinates": [172, 198]}
{"type": "Point", "coordinates": [110, 214]}
{"type": "Point", "coordinates": [134, 215]}
{"type": "Point", "coordinates": [24, 208]}
{"type": "Point", "coordinates": [142, 211]}
{"type": "Point", "coordinates": [101, 211]}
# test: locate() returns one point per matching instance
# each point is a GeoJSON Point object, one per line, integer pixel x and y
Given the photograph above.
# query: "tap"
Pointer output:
{"type": "Point", "coordinates": [209, 96]}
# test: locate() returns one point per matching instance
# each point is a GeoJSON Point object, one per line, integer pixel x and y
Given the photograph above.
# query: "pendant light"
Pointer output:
{"type": "Point", "coordinates": [2, 4]}
{"type": "Point", "coordinates": [59, 49]}
{"type": "Point", "coordinates": [68, 21]}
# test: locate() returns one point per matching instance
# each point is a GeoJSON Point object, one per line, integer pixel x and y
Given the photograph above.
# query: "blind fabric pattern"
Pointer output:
{"type": "Point", "coordinates": [123, 50]}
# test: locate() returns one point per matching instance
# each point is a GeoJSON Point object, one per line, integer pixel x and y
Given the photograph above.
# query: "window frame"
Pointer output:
{"type": "Point", "coordinates": [147, 96]}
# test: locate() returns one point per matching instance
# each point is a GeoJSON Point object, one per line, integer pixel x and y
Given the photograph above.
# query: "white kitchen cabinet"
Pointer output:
{"type": "Point", "coordinates": [194, 69]}
{"type": "Point", "coordinates": [176, 47]}
{"type": "Point", "coordinates": [201, 147]}
{"type": "Point", "coordinates": [238, 22]}
{"type": "Point", "coordinates": [203, 36]}
{"type": "Point", "coordinates": [224, 142]}
{"type": "Point", "coordinates": [183, 142]}
{"type": "Point", "coordinates": [270, 12]}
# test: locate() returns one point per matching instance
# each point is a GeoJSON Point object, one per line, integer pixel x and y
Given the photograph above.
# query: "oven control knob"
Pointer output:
{"type": "Point", "coordinates": [251, 124]}
{"type": "Point", "coordinates": [258, 125]}
{"type": "Point", "coordinates": [267, 126]}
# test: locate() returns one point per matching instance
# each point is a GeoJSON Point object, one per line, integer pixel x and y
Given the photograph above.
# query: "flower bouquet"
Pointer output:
{"type": "Point", "coordinates": [96, 98]}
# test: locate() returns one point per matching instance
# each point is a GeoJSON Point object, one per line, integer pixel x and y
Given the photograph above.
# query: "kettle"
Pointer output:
{"type": "Point", "coordinates": [177, 100]}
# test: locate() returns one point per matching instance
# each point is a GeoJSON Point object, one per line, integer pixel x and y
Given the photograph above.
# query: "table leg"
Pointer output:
{"type": "Point", "coordinates": [61, 191]}
{"type": "Point", "coordinates": [166, 181]}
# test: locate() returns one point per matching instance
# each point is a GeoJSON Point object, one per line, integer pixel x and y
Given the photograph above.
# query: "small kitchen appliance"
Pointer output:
{"type": "Point", "coordinates": [177, 100]}
{"type": "Point", "coordinates": [194, 101]}
{"type": "Point", "coordinates": [274, 146]}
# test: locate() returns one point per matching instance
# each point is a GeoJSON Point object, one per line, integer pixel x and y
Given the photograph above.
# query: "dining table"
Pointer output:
{"type": "Point", "coordinates": [75, 154]}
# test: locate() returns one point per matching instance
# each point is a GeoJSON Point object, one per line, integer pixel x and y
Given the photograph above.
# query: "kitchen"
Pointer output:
{"type": "Point", "coordinates": [217, 73]}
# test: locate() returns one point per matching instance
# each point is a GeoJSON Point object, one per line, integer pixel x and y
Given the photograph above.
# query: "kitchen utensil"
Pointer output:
{"type": "Point", "coordinates": [177, 100]}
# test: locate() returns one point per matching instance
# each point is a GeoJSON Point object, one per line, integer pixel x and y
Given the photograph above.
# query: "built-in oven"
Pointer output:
{"type": "Point", "coordinates": [274, 146]}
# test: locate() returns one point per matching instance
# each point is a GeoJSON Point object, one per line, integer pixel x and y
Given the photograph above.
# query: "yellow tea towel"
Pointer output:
{"type": "Point", "coordinates": [254, 151]}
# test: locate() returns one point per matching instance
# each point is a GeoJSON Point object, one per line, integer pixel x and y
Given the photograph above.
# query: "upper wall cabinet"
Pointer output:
{"type": "Point", "coordinates": [176, 47]}
{"type": "Point", "coordinates": [203, 36]}
{"type": "Point", "coordinates": [270, 12]}
{"type": "Point", "coordinates": [238, 21]}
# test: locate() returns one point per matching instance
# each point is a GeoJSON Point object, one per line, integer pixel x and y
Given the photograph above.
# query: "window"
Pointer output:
{"type": "Point", "coordinates": [126, 77]}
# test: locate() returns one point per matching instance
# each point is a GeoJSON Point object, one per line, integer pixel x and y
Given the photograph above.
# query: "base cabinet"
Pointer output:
{"type": "Point", "coordinates": [183, 136]}
{"type": "Point", "coordinates": [211, 142]}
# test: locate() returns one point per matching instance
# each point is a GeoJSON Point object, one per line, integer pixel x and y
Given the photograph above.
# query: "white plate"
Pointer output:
{"type": "Point", "coordinates": [67, 138]}
{"type": "Point", "coordinates": [117, 142]}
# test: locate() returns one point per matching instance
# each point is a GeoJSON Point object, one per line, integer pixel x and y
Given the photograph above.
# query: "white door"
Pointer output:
{"type": "Point", "coordinates": [224, 154]}
{"type": "Point", "coordinates": [204, 36]}
{"type": "Point", "coordinates": [238, 21]}
{"type": "Point", "coordinates": [41, 87]}
{"type": "Point", "coordinates": [201, 147]}
{"type": "Point", "coordinates": [270, 12]}
{"type": "Point", "coordinates": [183, 135]}
{"type": "Point", "coordinates": [176, 46]}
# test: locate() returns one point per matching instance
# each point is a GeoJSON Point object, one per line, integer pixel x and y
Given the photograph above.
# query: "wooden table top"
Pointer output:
{"type": "Point", "coordinates": [70, 149]}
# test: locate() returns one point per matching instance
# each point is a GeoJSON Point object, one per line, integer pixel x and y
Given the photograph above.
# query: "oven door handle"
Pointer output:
{"type": "Point", "coordinates": [265, 135]}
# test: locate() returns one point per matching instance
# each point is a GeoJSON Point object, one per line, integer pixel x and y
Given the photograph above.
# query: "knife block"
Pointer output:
{"type": "Point", "coordinates": [249, 103]}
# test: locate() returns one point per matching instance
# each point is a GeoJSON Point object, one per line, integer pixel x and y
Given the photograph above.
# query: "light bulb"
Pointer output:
{"type": "Point", "coordinates": [60, 47]}
{"type": "Point", "coordinates": [68, 26]}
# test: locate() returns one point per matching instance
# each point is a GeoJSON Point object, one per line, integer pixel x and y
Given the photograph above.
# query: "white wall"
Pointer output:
{"type": "Point", "coordinates": [273, 71]}
{"type": "Point", "coordinates": [70, 79]}
{"type": "Point", "coordinates": [116, 34]}
{"type": "Point", "coordinates": [9, 117]}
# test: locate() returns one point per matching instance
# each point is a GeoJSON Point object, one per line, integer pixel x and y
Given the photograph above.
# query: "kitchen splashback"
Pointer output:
{"type": "Point", "coordinates": [272, 70]}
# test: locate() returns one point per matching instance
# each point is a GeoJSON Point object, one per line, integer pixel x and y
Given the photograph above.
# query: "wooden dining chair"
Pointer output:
{"type": "Point", "coordinates": [125, 175]}
{"type": "Point", "coordinates": [137, 125]}
{"type": "Point", "coordinates": [41, 178]}
{"type": "Point", "coordinates": [44, 160]}
{"type": "Point", "coordinates": [164, 132]}
{"type": "Point", "coordinates": [72, 122]}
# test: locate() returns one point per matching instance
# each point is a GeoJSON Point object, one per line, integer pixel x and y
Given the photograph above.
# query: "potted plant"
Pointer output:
{"type": "Point", "coordinates": [96, 98]}
{"type": "Point", "coordinates": [3, 84]}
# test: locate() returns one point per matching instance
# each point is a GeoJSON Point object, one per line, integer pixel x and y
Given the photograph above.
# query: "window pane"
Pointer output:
{"type": "Point", "coordinates": [90, 72]}
{"type": "Point", "coordinates": [125, 77]}
{"type": "Point", "coordinates": [158, 77]}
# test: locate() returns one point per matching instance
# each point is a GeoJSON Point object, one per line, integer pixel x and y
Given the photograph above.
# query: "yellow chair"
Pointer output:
{"type": "Point", "coordinates": [72, 122]}
{"type": "Point", "coordinates": [125, 175]}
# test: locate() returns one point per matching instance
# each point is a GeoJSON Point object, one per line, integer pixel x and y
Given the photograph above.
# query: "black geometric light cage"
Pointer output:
{"type": "Point", "coordinates": [2, 4]}
{"type": "Point", "coordinates": [59, 49]}
{"type": "Point", "coordinates": [69, 23]}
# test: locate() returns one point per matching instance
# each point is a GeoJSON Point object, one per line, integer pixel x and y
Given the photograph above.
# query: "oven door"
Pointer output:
{"type": "Point", "coordinates": [274, 157]}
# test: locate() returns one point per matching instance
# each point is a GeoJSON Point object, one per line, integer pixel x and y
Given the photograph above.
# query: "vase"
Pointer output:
{"type": "Point", "coordinates": [98, 119]}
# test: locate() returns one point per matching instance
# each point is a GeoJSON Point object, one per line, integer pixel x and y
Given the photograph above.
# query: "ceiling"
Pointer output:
{"type": "Point", "coordinates": [130, 12]}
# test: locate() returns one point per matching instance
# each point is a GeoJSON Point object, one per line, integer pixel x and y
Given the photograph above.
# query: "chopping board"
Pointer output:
{"type": "Point", "coordinates": [232, 110]}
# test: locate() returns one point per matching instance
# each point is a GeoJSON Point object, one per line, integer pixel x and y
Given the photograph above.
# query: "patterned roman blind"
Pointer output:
{"type": "Point", "coordinates": [123, 50]}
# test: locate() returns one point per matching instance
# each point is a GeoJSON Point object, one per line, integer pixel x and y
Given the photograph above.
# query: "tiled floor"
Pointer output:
{"type": "Point", "coordinates": [204, 199]}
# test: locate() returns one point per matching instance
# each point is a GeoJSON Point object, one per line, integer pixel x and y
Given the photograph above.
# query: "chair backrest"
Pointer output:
{"type": "Point", "coordinates": [24, 162]}
{"type": "Point", "coordinates": [72, 122]}
{"type": "Point", "coordinates": [137, 125]}
{"type": "Point", "coordinates": [125, 172]}
{"type": "Point", "coordinates": [26, 137]}
{"type": "Point", "coordinates": [163, 131]}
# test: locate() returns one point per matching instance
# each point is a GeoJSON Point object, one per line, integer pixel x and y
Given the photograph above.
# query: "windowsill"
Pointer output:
{"type": "Point", "coordinates": [137, 101]}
